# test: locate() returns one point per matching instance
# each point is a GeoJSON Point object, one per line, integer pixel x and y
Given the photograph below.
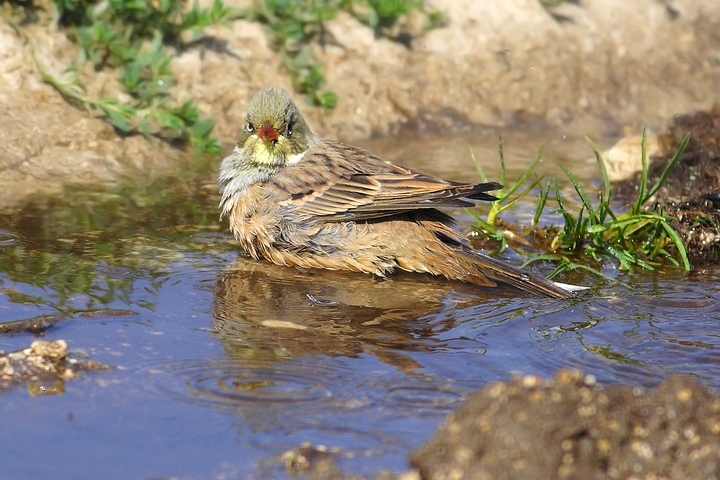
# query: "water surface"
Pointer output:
{"type": "Point", "coordinates": [224, 363]}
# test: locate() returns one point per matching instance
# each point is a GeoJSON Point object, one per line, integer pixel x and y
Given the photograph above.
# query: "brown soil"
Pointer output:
{"type": "Point", "coordinates": [697, 174]}
{"type": "Point", "coordinates": [593, 66]}
{"type": "Point", "coordinates": [568, 428]}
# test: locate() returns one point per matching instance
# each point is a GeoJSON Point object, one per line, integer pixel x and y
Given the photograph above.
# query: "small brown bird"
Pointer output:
{"type": "Point", "coordinates": [299, 200]}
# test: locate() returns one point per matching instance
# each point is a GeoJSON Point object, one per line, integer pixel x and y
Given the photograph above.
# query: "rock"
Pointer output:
{"type": "Point", "coordinates": [43, 367]}
{"type": "Point", "coordinates": [569, 427]}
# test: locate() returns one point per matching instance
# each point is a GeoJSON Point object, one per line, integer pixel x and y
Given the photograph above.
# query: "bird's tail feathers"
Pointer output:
{"type": "Point", "coordinates": [478, 191]}
{"type": "Point", "coordinates": [501, 272]}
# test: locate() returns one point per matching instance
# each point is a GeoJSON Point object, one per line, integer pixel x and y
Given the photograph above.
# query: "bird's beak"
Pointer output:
{"type": "Point", "coordinates": [268, 133]}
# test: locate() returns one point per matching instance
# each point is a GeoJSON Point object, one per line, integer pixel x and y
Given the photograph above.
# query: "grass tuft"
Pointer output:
{"type": "Point", "coordinates": [639, 237]}
{"type": "Point", "coordinates": [139, 39]}
{"type": "Point", "coordinates": [507, 198]}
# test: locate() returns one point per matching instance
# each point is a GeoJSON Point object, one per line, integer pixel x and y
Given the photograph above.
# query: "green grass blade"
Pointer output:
{"type": "Point", "coordinates": [540, 206]}
{"type": "Point", "coordinates": [580, 191]}
{"type": "Point", "coordinates": [669, 168]}
{"type": "Point", "coordinates": [520, 196]}
{"type": "Point", "coordinates": [510, 190]}
{"type": "Point", "coordinates": [485, 227]}
{"type": "Point", "coordinates": [678, 244]}
{"type": "Point", "coordinates": [501, 153]}
{"type": "Point", "coordinates": [641, 198]}
{"type": "Point", "coordinates": [603, 170]}
{"type": "Point", "coordinates": [478, 167]}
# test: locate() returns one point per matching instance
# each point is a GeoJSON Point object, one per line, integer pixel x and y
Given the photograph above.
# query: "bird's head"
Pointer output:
{"type": "Point", "coordinates": [274, 134]}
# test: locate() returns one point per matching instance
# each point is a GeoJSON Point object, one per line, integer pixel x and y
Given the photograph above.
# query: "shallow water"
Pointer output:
{"type": "Point", "coordinates": [224, 363]}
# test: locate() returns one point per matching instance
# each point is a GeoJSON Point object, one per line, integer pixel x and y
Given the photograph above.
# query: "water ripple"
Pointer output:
{"type": "Point", "coordinates": [283, 403]}
{"type": "Point", "coordinates": [356, 437]}
{"type": "Point", "coordinates": [8, 239]}
{"type": "Point", "coordinates": [308, 386]}
{"type": "Point", "coordinates": [413, 398]}
{"type": "Point", "coordinates": [677, 300]}
{"type": "Point", "coordinates": [635, 338]}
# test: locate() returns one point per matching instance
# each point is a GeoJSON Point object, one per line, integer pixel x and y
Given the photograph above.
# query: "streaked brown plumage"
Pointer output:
{"type": "Point", "coordinates": [299, 200]}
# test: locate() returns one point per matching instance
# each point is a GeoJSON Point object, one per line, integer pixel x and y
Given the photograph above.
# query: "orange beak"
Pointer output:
{"type": "Point", "coordinates": [268, 133]}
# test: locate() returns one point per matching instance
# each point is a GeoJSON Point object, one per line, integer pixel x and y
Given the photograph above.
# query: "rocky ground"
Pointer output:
{"type": "Point", "coordinates": [563, 428]}
{"type": "Point", "coordinates": [568, 428]}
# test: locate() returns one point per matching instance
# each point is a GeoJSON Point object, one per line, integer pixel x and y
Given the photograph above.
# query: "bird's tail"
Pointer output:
{"type": "Point", "coordinates": [479, 190]}
{"type": "Point", "coordinates": [495, 270]}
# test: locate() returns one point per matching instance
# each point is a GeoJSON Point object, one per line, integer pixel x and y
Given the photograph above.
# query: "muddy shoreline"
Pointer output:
{"type": "Point", "coordinates": [595, 67]}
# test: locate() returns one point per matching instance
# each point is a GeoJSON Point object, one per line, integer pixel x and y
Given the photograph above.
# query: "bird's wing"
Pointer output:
{"type": "Point", "coordinates": [340, 182]}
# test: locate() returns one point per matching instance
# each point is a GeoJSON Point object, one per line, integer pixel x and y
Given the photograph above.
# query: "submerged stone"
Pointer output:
{"type": "Point", "coordinates": [43, 367]}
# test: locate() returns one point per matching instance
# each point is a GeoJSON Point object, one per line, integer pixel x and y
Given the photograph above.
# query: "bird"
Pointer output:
{"type": "Point", "coordinates": [300, 200]}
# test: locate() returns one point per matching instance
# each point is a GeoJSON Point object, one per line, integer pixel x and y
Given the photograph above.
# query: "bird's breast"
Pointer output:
{"type": "Point", "coordinates": [253, 220]}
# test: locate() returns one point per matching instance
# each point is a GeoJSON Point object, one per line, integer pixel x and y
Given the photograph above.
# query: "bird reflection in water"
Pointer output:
{"type": "Point", "coordinates": [267, 310]}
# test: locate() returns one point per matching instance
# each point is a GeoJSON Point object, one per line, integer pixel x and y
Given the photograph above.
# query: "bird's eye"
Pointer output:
{"type": "Point", "coordinates": [249, 127]}
{"type": "Point", "coordinates": [290, 129]}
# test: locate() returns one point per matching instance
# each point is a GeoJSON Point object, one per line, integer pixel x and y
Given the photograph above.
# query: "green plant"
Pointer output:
{"type": "Point", "coordinates": [551, 3]}
{"type": "Point", "coordinates": [136, 37]}
{"type": "Point", "coordinates": [139, 37]}
{"type": "Point", "coordinates": [635, 238]}
{"type": "Point", "coordinates": [639, 237]}
{"type": "Point", "coordinates": [490, 226]}
{"type": "Point", "coordinates": [292, 26]}
{"type": "Point", "coordinates": [383, 14]}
